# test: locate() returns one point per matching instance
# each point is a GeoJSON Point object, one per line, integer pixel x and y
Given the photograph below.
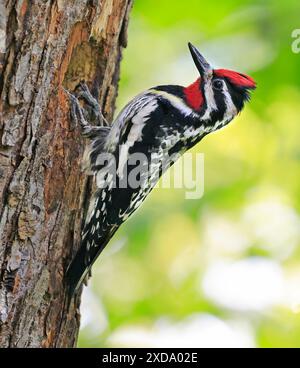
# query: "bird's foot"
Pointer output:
{"type": "Point", "coordinates": [79, 114]}
{"type": "Point", "coordinates": [85, 94]}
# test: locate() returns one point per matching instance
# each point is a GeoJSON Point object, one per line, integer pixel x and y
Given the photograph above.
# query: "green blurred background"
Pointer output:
{"type": "Point", "coordinates": [223, 270]}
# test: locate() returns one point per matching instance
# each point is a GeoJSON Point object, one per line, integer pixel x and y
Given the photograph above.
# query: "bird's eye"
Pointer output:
{"type": "Point", "coordinates": [217, 84]}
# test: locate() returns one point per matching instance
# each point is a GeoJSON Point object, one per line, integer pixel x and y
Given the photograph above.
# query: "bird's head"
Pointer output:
{"type": "Point", "coordinates": [219, 94]}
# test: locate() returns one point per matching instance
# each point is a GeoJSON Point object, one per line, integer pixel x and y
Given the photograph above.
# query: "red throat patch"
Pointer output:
{"type": "Point", "coordinates": [238, 79]}
{"type": "Point", "coordinates": [193, 95]}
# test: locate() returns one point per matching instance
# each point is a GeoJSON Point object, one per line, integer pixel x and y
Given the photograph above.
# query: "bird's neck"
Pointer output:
{"type": "Point", "coordinates": [193, 95]}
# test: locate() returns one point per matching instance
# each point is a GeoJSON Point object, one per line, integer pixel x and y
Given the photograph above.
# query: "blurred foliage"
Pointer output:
{"type": "Point", "coordinates": [160, 276]}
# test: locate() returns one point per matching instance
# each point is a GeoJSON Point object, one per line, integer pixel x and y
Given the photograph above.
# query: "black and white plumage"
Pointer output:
{"type": "Point", "coordinates": [161, 124]}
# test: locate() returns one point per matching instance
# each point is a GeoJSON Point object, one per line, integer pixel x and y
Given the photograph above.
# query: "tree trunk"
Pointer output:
{"type": "Point", "coordinates": [46, 45]}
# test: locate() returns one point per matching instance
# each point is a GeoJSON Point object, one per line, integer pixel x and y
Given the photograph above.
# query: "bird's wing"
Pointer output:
{"type": "Point", "coordinates": [125, 130]}
{"type": "Point", "coordinates": [132, 118]}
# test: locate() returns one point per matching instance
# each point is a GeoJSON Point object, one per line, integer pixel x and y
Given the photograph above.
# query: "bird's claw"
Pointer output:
{"type": "Point", "coordinates": [85, 94]}
{"type": "Point", "coordinates": [76, 112]}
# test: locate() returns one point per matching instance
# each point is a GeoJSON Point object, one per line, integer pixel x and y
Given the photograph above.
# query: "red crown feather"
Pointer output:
{"type": "Point", "coordinates": [240, 80]}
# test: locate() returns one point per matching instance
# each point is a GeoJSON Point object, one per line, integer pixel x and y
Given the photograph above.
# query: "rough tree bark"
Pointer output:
{"type": "Point", "coordinates": [46, 45]}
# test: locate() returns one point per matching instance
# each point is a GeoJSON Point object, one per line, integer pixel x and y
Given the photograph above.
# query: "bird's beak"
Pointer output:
{"type": "Point", "coordinates": [205, 69]}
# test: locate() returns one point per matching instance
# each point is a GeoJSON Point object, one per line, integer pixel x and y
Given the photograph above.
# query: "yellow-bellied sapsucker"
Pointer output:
{"type": "Point", "coordinates": [149, 134]}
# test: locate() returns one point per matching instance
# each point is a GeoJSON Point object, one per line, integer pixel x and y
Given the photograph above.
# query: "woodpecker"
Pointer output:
{"type": "Point", "coordinates": [161, 124]}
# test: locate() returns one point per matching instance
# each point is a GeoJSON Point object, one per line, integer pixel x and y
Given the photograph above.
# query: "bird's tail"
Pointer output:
{"type": "Point", "coordinates": [81, 265]}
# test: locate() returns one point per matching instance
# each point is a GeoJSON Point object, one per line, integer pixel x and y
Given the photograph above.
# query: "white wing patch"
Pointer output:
{"type": "Point", "coordinates": [135, 133]}
{"type": "Point", "coordinates": [134, 111]}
